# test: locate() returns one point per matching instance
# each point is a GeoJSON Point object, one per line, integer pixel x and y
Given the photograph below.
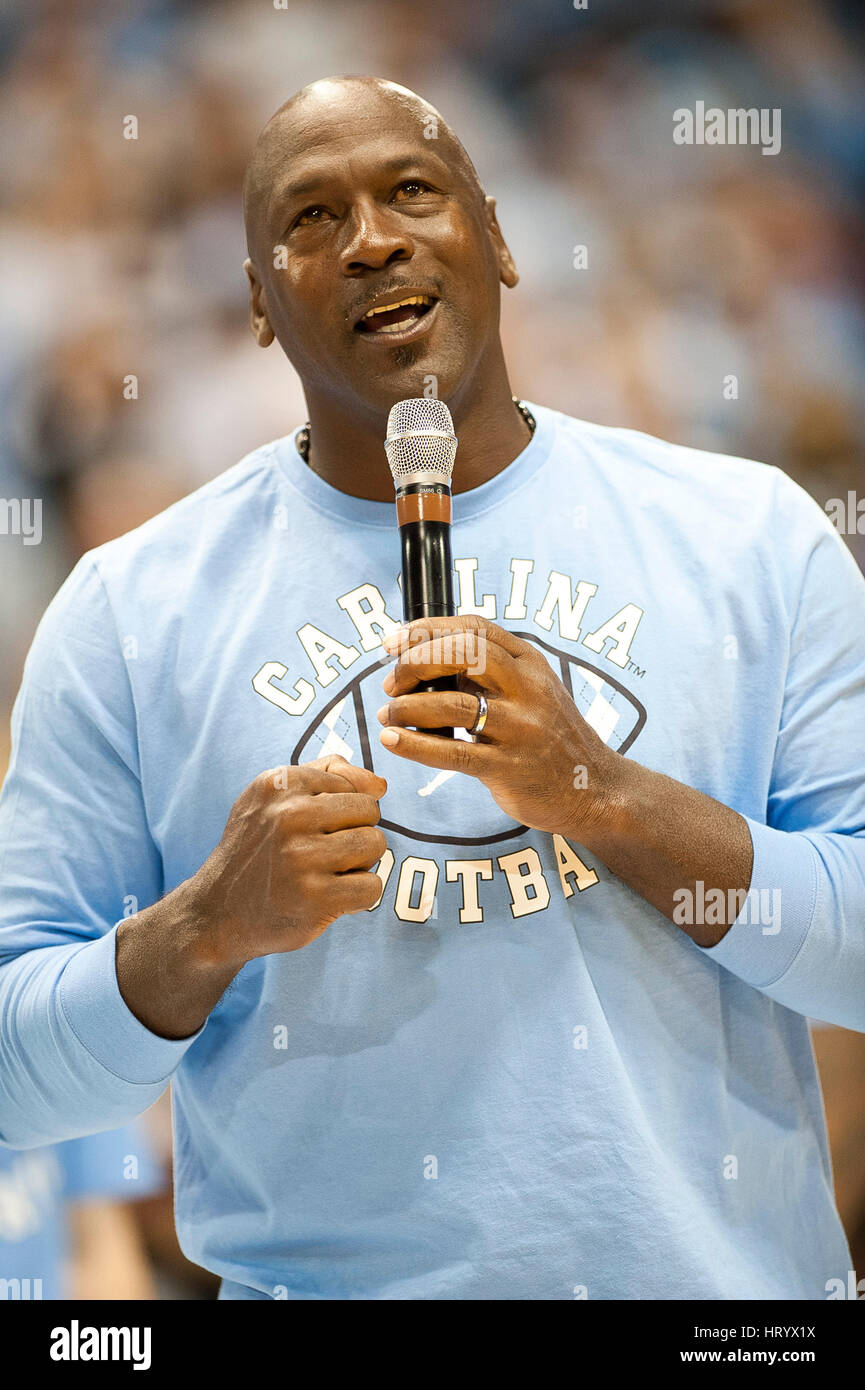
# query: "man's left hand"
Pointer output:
{"type": "Point", "coordinates": [543, 764]}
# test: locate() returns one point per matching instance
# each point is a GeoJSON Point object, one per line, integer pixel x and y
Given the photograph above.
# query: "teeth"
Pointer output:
{"type": "Point", "coordinates": [397, 304]}
{"type": "Point", "coordinates": [395, 327]}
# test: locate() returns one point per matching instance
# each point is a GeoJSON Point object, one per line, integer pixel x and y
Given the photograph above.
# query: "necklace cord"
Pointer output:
{"type": "Point", "coordinates": [303, 436]}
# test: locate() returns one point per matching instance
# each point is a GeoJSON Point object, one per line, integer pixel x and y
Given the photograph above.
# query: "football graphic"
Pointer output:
{"type": "Point", "coordinates": [429, 810]}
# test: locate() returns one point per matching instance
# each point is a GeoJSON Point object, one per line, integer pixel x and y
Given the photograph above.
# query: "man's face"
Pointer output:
{"type": "Point", "coordinates": [371, 214]}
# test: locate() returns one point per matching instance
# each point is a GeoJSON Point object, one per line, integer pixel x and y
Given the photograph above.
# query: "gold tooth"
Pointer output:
{"type": "Point", "coordinates": [386, 308]}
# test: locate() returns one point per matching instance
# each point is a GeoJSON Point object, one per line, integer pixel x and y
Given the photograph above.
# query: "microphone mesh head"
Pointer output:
{"type": "Point", "coordinates": [420, 440]}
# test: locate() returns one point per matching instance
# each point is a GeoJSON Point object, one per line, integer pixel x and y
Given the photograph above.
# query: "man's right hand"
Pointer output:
{"type": "Point", "coordinates": [296, 853]}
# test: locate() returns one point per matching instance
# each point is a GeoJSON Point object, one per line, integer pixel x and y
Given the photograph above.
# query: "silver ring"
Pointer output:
{"type": "Point", "coordinates": [481, 718]}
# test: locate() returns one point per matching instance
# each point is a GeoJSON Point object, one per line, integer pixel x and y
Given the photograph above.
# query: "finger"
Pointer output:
{"type": "Point", "coordinates": [487, 664]}
{"type": "Point", "coordinates": [468, 623]}
{"type": "Point", "coordinates": [341, 811]}
{"type": "Point", "coordinates": [451, 755]}
{"type": "Point", "coordinates": [355, 891]}
{"type": "Point", "coordinates": [438, 710]}
{"type": "Point", "coordinates": [306, 778]}
{"type": "Point", "coordinates": [360, 778]}
{"type": "Point", "coordinates": [350, 849]}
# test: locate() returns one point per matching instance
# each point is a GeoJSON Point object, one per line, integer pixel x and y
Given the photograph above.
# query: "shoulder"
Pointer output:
{"type": "Point", "coordinates": [214, 512]}
{"type": "Point", "coordinates": [661, 460]}
{"type": "Point", "coordinates": [193, 539]}
{"type": "Point", "coordinates": [649, 470]}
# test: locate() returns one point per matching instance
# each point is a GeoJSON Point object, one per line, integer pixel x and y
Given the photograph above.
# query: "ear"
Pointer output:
{"type": "Point", "coordinates": [258, 319]}
{"type": "Point", "coordinates": [507, 270]}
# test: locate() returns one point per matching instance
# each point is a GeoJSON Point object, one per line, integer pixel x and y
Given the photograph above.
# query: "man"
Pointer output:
{"type": "Point", "coordinates": [528, 1057]}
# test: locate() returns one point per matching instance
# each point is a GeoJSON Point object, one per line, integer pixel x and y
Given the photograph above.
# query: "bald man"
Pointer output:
{"type": "Point", "coordinates": [517, 1015]}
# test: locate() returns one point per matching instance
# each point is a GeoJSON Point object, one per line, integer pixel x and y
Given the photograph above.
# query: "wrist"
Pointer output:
{"type": "Point", "coordinates": [168, 973]}
{"type": "Point", "coordinates": [203, 934]}
{"type": "Point", "coordinates": [602, 811]}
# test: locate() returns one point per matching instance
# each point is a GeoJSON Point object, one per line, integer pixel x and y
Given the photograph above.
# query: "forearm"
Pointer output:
{"type": "Point", "coordinates": [674, 846]}
{"type": "Point", "coordinates": [75, 1060]}
{"type": "Point", "coordinates": [802, 938]}
{"type": "Point", "coordinates": [167, 972]}
{"type": "Point", "coordinates": [91, 1034]}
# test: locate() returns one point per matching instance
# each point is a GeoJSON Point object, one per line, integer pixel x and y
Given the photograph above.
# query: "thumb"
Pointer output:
{"type": "Point", "coordinates": [358, 777]}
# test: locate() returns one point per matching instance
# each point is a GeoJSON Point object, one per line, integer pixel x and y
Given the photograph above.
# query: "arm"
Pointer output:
{"type": "Point", "coordinates": [809, 847]}
{"type": "Point", "coordinates": [664, 839]}
{"type": "Point", "coordinates": [661, 837]}
{"type": "Point", "coordinates": [295, 855]}
{"type": "Point", "coordinates": [652, 832]}
{"type": "Point", "coordinates": [104, 983]}
{"type": "Point", "coordinates": [75, 855]}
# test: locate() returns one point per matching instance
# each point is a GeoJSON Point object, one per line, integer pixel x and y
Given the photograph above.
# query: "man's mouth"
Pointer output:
{"type": "Point", "coordinates": [396, 315]}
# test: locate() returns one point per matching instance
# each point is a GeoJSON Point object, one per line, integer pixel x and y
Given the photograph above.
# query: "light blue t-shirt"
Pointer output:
{"type": "Point", "coordinates": [513, 1078]}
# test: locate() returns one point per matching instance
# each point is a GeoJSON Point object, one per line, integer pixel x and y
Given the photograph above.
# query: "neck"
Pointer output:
{"type": "Point", "coordinates": [347, 450]}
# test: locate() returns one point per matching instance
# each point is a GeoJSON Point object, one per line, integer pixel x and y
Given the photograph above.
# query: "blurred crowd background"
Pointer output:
{"type": "Point", "coordinates": [122, 257]}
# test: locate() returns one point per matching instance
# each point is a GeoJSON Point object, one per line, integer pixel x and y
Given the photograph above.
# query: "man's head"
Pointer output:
{"type": "Point", "coordinates": [358, 196]}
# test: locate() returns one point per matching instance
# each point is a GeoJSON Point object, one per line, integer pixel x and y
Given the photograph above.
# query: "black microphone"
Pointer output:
{"type": "Point", "coordinates": [421, 447]}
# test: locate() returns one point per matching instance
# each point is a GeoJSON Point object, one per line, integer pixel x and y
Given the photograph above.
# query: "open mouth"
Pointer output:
{"type": "Point", "coordinates": [397, 315]}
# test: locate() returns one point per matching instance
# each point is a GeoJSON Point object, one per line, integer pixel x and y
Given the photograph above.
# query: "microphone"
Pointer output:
{"type": "Point", "coordinates": [421, 447]}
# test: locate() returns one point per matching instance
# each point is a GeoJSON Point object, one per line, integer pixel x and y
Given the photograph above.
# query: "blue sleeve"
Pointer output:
{"type": "Point", "coordinates": [76, 856]}
{"type": "Point", "coordinates": [810, 850]}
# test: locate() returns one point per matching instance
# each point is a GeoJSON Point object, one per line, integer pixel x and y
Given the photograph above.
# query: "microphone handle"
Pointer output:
{"type": "Point", "coordinates": [427, 576]}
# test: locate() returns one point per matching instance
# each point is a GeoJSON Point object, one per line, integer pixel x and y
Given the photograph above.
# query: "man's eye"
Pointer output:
{"type": "Point", "coordinates": [310, 216]}
{"type": "Point", "coordinates": [412, 188]}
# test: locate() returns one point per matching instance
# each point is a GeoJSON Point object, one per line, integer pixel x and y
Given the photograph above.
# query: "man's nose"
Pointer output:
{"type": "Point", "coordinates": [376, 236]}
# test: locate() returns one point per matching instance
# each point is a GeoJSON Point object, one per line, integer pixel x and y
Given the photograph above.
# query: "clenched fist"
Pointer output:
{"type": "Point", "coordinates": [296, 853]}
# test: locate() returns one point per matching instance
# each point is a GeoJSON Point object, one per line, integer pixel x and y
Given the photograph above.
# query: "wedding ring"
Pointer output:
{"type": "Point", "coordinates": [481, 718]}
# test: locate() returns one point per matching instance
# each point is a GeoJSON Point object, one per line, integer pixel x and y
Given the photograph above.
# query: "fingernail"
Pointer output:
{"type": "Point", "coordinates": [389, 737]}
{"type": "Point", "coordinates": [381, 714]}
{"type": "Point", "coordinates": [394, 640]}
{"type": "Point", "coordinates": [387, 683]}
